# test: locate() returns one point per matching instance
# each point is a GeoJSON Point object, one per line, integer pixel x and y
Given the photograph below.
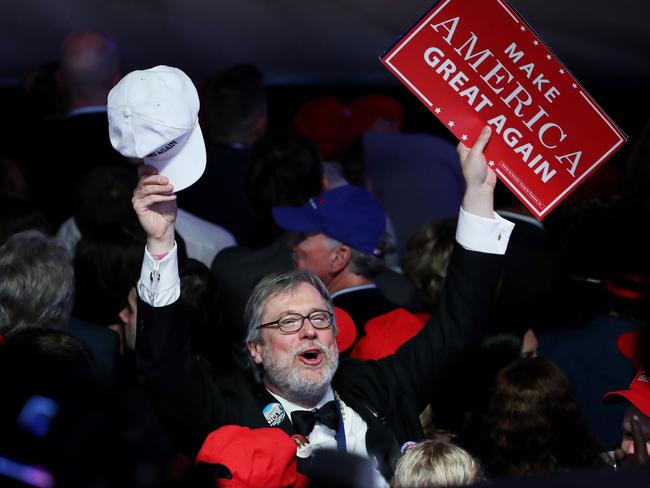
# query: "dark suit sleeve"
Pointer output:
{"type": "Point", "coordinates": [460, 322]}
{"type": "Point", "coordinates": [182, 390]}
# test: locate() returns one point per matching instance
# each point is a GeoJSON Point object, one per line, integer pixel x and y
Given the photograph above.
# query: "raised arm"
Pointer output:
{"type": "Point", "coordinates": [474, 269]}
{"type": "Point", "coordinates": [181, 390]}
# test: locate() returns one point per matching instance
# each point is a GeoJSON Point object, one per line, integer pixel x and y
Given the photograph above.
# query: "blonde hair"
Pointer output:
{"type": "Point", "coordinates": [434, 463]}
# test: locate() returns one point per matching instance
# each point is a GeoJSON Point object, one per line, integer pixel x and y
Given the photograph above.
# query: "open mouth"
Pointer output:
{"type": "Point", "coordinates": [312, 356]}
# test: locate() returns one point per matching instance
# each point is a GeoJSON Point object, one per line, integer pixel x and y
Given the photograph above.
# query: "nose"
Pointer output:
{"type": "Point", "coordinates": [308, 331]}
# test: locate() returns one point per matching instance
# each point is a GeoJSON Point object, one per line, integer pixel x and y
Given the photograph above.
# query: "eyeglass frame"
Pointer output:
{"type": "Point", "coordinates": [277, 325]}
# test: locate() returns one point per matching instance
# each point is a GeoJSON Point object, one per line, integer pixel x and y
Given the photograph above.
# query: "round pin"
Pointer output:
{"type": "Point", "coordinates": [303, 447]}
{"type": "Point", "coordinates": [274, 414]}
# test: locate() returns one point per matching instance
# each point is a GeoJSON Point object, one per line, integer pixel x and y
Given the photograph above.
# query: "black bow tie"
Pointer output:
{"type": "Point", "coordinates": [304, 420]}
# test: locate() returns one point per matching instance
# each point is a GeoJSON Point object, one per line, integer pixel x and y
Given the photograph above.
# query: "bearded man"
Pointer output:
{"type": "Point", "coordinates": [366, 408]}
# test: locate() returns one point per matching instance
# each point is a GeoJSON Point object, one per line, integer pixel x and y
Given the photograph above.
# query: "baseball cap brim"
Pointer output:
{"type": "Point", "coordinates": [186, 165]}
{"type": "Point", "coordinates": [297, 219]}
{"type": "Point", "coordinates": [637, 398]}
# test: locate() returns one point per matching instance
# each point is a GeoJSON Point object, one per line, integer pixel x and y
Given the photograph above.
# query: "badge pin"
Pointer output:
{"type": "Point", "coordinates": [303, 446]}
{"type": "Point", "coordinates": [274, 414]}
{"type": "Point", "coordinates": [408, 445]}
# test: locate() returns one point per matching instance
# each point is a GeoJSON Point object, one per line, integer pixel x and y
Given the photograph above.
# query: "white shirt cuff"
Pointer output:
{"type": "Point", "coordinates": [483, 235]}
{"type": "Point", "coordinates": [159, 283]}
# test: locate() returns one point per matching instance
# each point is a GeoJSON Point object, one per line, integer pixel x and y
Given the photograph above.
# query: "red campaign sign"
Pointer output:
{"type": "Point", "coordinates": [477, 62]}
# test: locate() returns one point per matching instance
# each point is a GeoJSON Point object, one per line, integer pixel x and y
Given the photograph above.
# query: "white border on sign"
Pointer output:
{"type": "Point", "coordinates": [531, 206]}
{"type": "Point", "coordinates": [509, 12]}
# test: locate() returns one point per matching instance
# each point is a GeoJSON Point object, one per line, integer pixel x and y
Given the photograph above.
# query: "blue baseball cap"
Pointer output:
{"type": "Point", "coordinates": [348, 214]}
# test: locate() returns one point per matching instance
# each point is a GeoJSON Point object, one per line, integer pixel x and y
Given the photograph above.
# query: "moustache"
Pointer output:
{"type": "Point", "coordinates": [310, 345]}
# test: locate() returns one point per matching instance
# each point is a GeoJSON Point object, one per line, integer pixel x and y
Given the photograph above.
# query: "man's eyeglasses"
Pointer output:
{"type": "Point", "coordinates": [293, 322]}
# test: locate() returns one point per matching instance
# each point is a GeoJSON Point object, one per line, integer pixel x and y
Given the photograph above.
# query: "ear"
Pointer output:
{"type": "Point", "coordinates": [124, 315]}
{"type": "Point", "coordinates": [325, 182]}
{"type": "Point", "coordinates": [339, 259]}
{"type": "Point", "coordinates": [255, 349]}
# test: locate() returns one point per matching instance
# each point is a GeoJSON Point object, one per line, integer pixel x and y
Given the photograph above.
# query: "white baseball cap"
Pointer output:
{"type": "Point", "coordinates": [153, 115]}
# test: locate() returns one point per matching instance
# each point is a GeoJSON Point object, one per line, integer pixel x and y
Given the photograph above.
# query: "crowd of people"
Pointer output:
{"type": "Point", "coordinates": [336, 302]}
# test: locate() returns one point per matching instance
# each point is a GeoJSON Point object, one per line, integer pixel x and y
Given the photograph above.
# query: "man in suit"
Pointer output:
{"type": "Point", "coordinates": [234, 108]}
{"type": "Point", "coordinates": [340, 238]}
{"type": "Point", "coordinates": [64, 150]}
{"type": "Point", "coordinates": [367, 408]}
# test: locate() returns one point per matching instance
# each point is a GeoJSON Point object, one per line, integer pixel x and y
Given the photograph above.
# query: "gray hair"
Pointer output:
{"type": "Point", "coordinates": [361, 263]}
{"type": "Point", "coordinates": [276, 284]}
{"type": "Point", "coordinates": [37, 284]}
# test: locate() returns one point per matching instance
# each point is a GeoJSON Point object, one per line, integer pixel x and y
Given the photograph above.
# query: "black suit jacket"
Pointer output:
{"type": "Point", "coordinates": [388, 394]}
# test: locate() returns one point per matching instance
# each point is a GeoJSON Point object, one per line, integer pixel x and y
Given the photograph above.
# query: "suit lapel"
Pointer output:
{"type": "Point", "coordinates": [263, 400]}
{"type": "Point", "coordinates": [380, 440]}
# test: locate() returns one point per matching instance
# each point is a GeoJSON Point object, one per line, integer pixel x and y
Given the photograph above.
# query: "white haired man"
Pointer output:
{"type": "Point", "coordinates": [366, 408]}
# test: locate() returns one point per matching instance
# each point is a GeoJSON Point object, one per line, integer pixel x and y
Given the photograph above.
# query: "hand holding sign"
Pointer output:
{"type": "Point", "coordinates": [477, 62]}
{"type": "Point", "coordinates": [480, 179]}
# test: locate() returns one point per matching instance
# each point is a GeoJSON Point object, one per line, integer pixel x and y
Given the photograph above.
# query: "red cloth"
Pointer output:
{"type": "Point", "coordinates": [347, 330]}
{"type": "Point", "coordinates": [384, 334]}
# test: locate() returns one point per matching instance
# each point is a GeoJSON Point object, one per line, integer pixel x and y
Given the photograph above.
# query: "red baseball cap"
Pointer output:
{"type": "Point", "coordinates": [324, 121]}
{"type": "Point", "coordinates": [257, 458]}
{"type": "Point", "coordinates": [384, 334]}
{"type": "Point", "coordinates": [368, 108]}
{"type": "Point", "coordinates": [638, 394]}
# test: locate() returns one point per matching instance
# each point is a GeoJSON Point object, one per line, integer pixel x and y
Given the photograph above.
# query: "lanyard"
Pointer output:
{"type": "Point", "coordinates": [341, 444]}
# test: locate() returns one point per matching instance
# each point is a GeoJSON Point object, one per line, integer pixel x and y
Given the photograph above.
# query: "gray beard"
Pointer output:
{"type": "Point", "coordinates": [289, 383]}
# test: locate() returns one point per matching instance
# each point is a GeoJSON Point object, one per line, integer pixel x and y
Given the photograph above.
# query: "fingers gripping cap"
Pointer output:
{"type": "Point", "coordinates": [153, 115]}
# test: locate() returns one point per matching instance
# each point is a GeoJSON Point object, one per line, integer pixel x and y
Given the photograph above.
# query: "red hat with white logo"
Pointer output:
{"type": "Point", "coordinates": [638, 393]}
{"type": "Point", "coordinates": [264, 457]}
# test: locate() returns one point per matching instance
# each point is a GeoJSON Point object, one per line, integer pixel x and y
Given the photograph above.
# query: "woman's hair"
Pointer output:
{"type": "Point", "coordinates": [533, 423]}
{"type": "Point", "coordinates": [434, 463]}
{"type": "Point", "coordinates": [428, 252]}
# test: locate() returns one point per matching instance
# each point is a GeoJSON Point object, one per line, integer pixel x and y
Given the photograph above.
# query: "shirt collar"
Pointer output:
{"type": "Point", "coordinates": [354, 288]}
{"type": "Point", "coordinates": [290, 407]}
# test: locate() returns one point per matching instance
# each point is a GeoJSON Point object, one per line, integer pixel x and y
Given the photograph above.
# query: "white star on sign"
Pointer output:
{"type": "Point", "coordinates": [491, 163]}
{"type": "Point", "coordinates": [451, 123]}
{"type": "Point", "coordinates": [574, 85]}
{"type": "Point", "coordinates": [536, 42]}
{"type": "Point", "coordinates": [522, 28]}
{"type": "Point", "coordinates": [548, 56]}
{"type": "Point", "coordinates": [561, 71]}
{"type": "Point", "coordinates": [464, 137]}
{"type": "Point", "coordinates": [437, 110]}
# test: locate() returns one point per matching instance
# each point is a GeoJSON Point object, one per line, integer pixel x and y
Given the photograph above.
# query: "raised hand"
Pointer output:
{"type": "Point", "coordinates": [155, 206]}
{"type": "Point", "coordinates": [480, 180]}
